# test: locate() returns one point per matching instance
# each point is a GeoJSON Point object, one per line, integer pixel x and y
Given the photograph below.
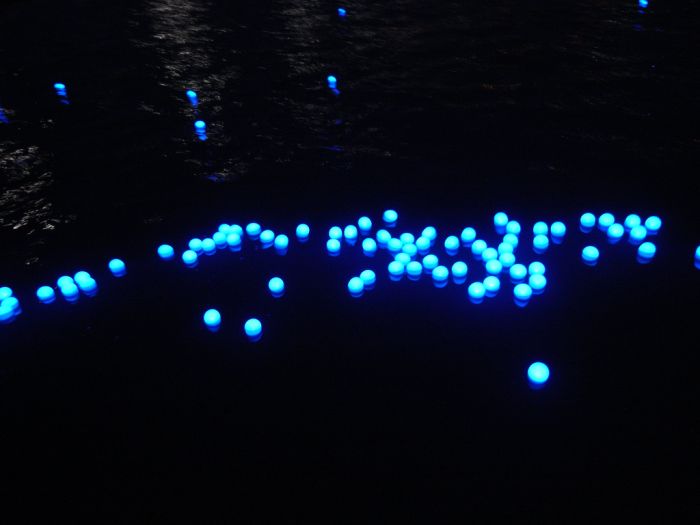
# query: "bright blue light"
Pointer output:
{"type": "Point", "coordinates": [646, 250]}
{"type": "Point", "coordinates": [45, 294]}
{"type": "Point", "coordinates": [383, 237]}
{"type": "Point", "coordinates": [557, 229]}
{"type": "Point", "coordinates": [513, 227]}
{"type": "Point", "coordinates": [267, 236]}
{"type": "Point", "coordinates": [522, 292]}
{"type": "Point", "coordinates": [166, 252]}
{"type": "Point", "coordinates": [540, 228]}
{"type": "Point", "coordinates": [440, 273]}
{"type": "Point", "coordinates": [459, 269]}
{"type": "Point", "coordinates": [276, 285]}
{"type": "Point", "coordinates": [252, 327]}
{"type": "Point", "coordinates": [219, 239]}
{"type": "Point", "coordinates": [59, 86]}
{"type": "Point", "coordinates": [189, 257]}
{"type": "Point", "coordinates": [365, 224]}
{"type": "Point", "coordinates": [12, 304]}
{"type": "Point", "coordinates": [652, 224]}
{"type": "Point", "coordinates": [430, 233]}
{"type": "Point", "coordinates": [195, 244]}
{"type": "Point", "coordinates": [489, 254]}
{"type": "Point", "coordinates": [590, 254]}
{"type": "Point", "coordinates": [232, 239]}
{"type": "Point", "coordinates": [69, 290]}
{"type": "Point", "coordinates": [335, 232]}
{"type": "Point", "coordinates": [117, 267]}
{"type": "Point", "coordinates": [235, 228]}
{"type": "Point", "coordinates": [540, 242]}
{"type": "Point", "coordinates": [538, 373]}
{"type": "Point", "coordinates": [341, 12]}
{"type": "Point", "coordinates": [478, 247]}
{"type": "Point", "coordinates": [303, 231]}
{"type": "Point", "coordinates": [212, 318]}
{"type": "Point", "coordinates": [368, 277]}
{"type": "Point", "coordinates": [632, 220]}
{"type": "Point", "coordinates": [536, 268]}
{"type": "Point", "coordinates": [396, 268]}
{"type": "Point", "coordinates": [414, 269]}
{"type": "Point", "coordinates": [500, 220]}
{"type": "Point", "coordinates": [253, 230]}
{"type": "Point", "coordinates": [492, 284]}
{"type": "Point", "coordinates": [87, 285]}
{"type": "Point", "coordinates": [63, 280]}
{"type": "Point", "coordinates": [468, 235]}
{"type": "Point", "coordinates": [199, 125]}
{"type": "Point", "coordinates": [606, 220]}
{"type": "Point", "coordinates": [333, 246]}
{"type": "Point", "coordinates": [281, 242]}
{"type": "Point", "coordinates": [403, 258]}
{"type": "Point", "coordinates": [423, 244]}
{"type": "Point", "coordinates": [494, 267]}
{"type": "Point", "coordinates": [505, 247]}
{"type": "Point", "coordinates": [208, 245]}
{"type": "Point", "coordinates": [332, 81]}
{"type": "Point", "coordinates": [518, 272]}
{"type": "Point", "coordinates": [537, 282]}
{"type": "Point", "coordinates": [616, 231]}
{"type": "Point", "coordinates": [224, 228]}
{"type": "Point", "coordinates": [81, 276]}
{"type": "Point", "coordinates": [476, 291]}
{"type": "Point", "coordinates": [191, 94]}
{"type": "Point", "coordinates": [451, 243]}
{"type": "Point", "coordinates": [430, 262]}
{"type": "Point", "coordinates": [410, 249]}
{"type": "Point", "coordinates": [638, 234]}
{"type": "Point", "coordinates": [407, 238]}
{"type": "Point", "coordinates": [350, 232]}
{"type": "Point", "coordinates": [390, 216]}
{"type": "Point", "coordinates": [6, 292]}
{"type": "Point", "coordinates": [507, 259]}
{"type": "Point", "coordinates": [511, 239]}
{"type": "Point", "coordinates": [6, 311]}
{"type": "Point", "coordinates": [369, 246]}
{"type": "Point", "coordinates": [697, 253]}
{"type": "Point", "coordinates": [394, 245]}
{"type": "Point", "coordinates": [587, 221]}
{"type": "Point", "coordinates": [643, 4]}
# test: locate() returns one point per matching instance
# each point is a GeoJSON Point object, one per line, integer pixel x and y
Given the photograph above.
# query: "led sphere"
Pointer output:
{"type": "Point", "coordinates": [410, 249]}
{"type": "Point", "coordinates": [45, 294]}
{"type": "Point", "coordinates": [233, 240]}
{"type": "Point", "coordinates": [697, 253]}
{"type": "Point", "coordinates": [440, 273]}
{"type": "Point", "coordinates": [396, 268]}
{"type": "Point", "coordinates": [507, 259]}
{"type": "Point", "coordinates": [208, 246]}
{"type": "Point", "coordinates": [430, 262]}
{"type": "Point", "coordinates": [468, 236]}
{"type": "Point", "coordinates": [81, 276]}
{"type": "Point", "coordinates": [587, 220]}
{"type": "Point", "coordinates": [429, 233]}
{"type": "Point", "coordinates": [494, 267]}
{"type": "Point", "coordinates": [235, 228]}
{"type": "Point", "coordinates": [365, 224]}
{"type": "Point", "coordinates": [511, 239]}
{"type": "Point", "coordinates": [281, 242]}
{"type": "Point", "coordinates": [87, 285]}
{"type": "Point", "coordinates": [166, 252]}
{"type": "Point", "coordinates": [646, 250]}
{"type": "Point", "coordinates": [383, 237]}
{"type": "Point", "coordinates": [69, 290]}
{"type": "Point", "coordinates": [335, 232]}
{"type": "Point", "coordinates": [253, 230]}
{"type": "Point", "coordinates": [252, 327]}
{"type": "Point", "coordinates": [505, 247]}
{"type": "Point", "coordinates": [513, 227]}
{"type": "Point", "coordinates": [276, 285]}
{"type": "Point", "coordinates": [414, 268]}
{"type": "Point", "coordinates": [11, 304]}
{"type": "Point", "coordinates": [536, 268]}
{"type": "Point", "coordinates": [369, 245]}
{"type": "Point", "coordinates": [407, 238]}
{"type": "Point", "coordinates": [518, 272]}
{"type": "Point", "coordinates": [212, 318]}
{"type": "Point", "coordinates": [606, 220]}
{"type": "Point", "coordinates": [500, 220]}
{"type": "Point", "coordinates": [540, 242]}
{"type": "Point", "coordinates": [368, 277]}
{"type": "Point", "coordinates": [189, 257]}
{"type": "Point", "coordinates": [451, 243]}
{"type": "Point", "coordinates": [195, 244]}
{"type": "Point", "coordinates": [6, 312]}
{"type": "Point", "coordinates": [224, 228]}
{"type": "Point", "coordinates": [632, 220]}
{"type": "Point", "coordinates": [478, 247]}
{"type": "Point", "coordinates": [590, 254]}
{"type": "Point", "coordinates": [350, 232]}
{"type": "Point", "coordinates": [333, 245]}
{"type": "Point", "coordinates": [638, 234]}
{"type": "Point", "coordinates": [538, 373]}
{"type": "Point", "coordinates": [459, 269]}
{"type": "Point", "coordinates": [64, 280]}
{"type": "Point", "coordinates": [219, 239]}
{"type": "Point", "coordinates": [191, 94]}
{"type": "Point", "coordinates": [492, 284]}
{"type": "Point", "coordinates": [423, 244]}
{"type": "Point", "coordinates": [342, 12]}
{"type": "Point", "coordinates": [117, 267]}
{"type": "Point", "coordinates": [394, 245]}
{"type": "Point", "coordinates": [558, 229]}
{"type": "Point", "coordinates": [200, 125]}
{"type": "Point", "coordinates": [390, 216]}
{"type": "Point", "coordinates": [540, 228]}
{"type": "Point", "coordinates": [267, 236]}
{"type": "Point", "coordinates": [652, 224]}
{"type": "Point", "coordinates": [59, 86]}
{"type": "Point", "coordinates": [537, 282]}
{"type": "Point", "coordinates": [476, 291]}
{"type": "Point", "coordinates": [403, 258]}
{"type": "Point", "coordinates": [489, 254]}
{"type": "Point", "coordinates": [332, 81]}
{"type": "Point", "coordinates": [522, 292]}
{"type": "Point", "coordinates": [616, 231]}
{"type": "Point", "coordinates": [303, 231]}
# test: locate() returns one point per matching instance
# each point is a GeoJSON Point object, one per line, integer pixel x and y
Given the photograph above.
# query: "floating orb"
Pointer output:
{"type": "Point", "coordinates": [414, 269]}
{"type": "Point", "coordinates": [396, 268]}
{"type": "Point", "coordinates": [476, 292]}
{"type": "Point", "coordinates": [208, 246]}
{"type": "Point", "coordinates": [646, 250]}
{"type": "Point", "coordinates": [212, 318]}
{"type": "Point", "coordinates": [538, 373]}
{"type": "Point", "coordinates": [267, 237]}
{"type": "Point", "coordinates": [232, 239]}
{"type": "Point", "coordinates": [430, 262]}
{"type": "Point", "coordinates": [459, 270]}
{"type": "Point", "coordinates": [638, 234]}
{"type": "Point", "coordinates": [6, 312]}
{"type": "Point", "coordinates": [235, 228]}
{"type": "Point", "coordinates": [513, 227]}
{"type": "Point", "coordinates": [478, 247]}
{"type": "Point", "coordinates": [429, 233]}
{"type": "Point", "coordinates": [540, 228]}
{"type": "Point", "coordinates": [500, 220]}
{"type": "Point", "coordinates": [332, 81]}
{"type": "Point", "coordinates": [606, 220]}
{"type": "Point", "coordinates": [489, 254]}
{"type": "Point", "coordinates": [652, 224]}
{"type": "Point", "coordinates": [383, 237]}
{"type": "Point", "coordinates": [253, 328]}
{"type": "Point", "coordinates": [410, 249]}
{"type": "Point", "coordinates": [335, 232]}
{"type": "Point", "coordinates": [189, 257]}
{"type": "Point", "coordinates": [253, 230]}
{"type": "Point", "coordinates": [63, 280]}
{"type": "Point", "coordinates": [59, 86]}
{"type": "Point", "coordinates": [365, 224]}
{"type": "Point", "coordinates": [166, 252]}
{"type": "Point", "coordinates": [276, 286]}
{"type": "Point", "coordinates": [81, 276]}
{"type": "Point", "coordinates": [281, 242]}
{"type": "Point", "coordinates": [369, 246]}
{"type": "Point", "coordinates": [518, 272]}
{"type": "Point", "coordinates": [390, 216]}
{"type": "Point", "coordinates": [615, 232]}
{"type": "Point", "coordinates": [491, 285]}
{"type": "Point", "coordinates": [224, 228]}
{"type": "Point", "coordinates": [407, 238]}
{"type": "Point", "coordinates": [12, 304]}
{"type": "Point", "coordinates": [451, 244]}
{"type": "Point", "coordinates": [697, 253]}
{"type": "Point", "coordinates": [403, 258]}
{"type": "Point", "coordinates": [440, 273]}
{"type": "Point", "coordinates": [350, 232]}
{"type": "Point", "coordinates": [303, 231]}
{"type": "Point", "coordinates": [590, 254]}
{"type": "Point", "coordinates": [195, 245]}
{"type": "Point", "coordinates": [200, 125]}
{"type": "Point", "coordinates": [505, 247]}
{"type": "Point", "coordinates": [643, 4]}
{"type": "Point", "coordinates": [6, 292]}
{"type": "Point", "coordinates": [191, 94]}
{"type": "Point", "coordinates": [333, 246]}
{"type": "Point", "coordinates": [69, 291]}
{"type": "Point", "coordinates": [507, 259]}
{"type": "Point", "coordinates": [219, 239]}
{"type": "Point", "coordinates": [423, 244]}
{"type": "Point", "coordinates": [537, 282]}
{"type": "Point", "coordinates": [632, 220]}
{"type": "Point", "coordinates": [394, 245]}
{"type": "Point", "coordinates": [540, 243]}
{"type": "Point", "coordinates": [341, 12]}
{"type": "Point", "coordinates": [522, 292]}
{"type": "Point", "coordinates": [494, 267]}
{"type": "Point", "coordinates": [468, 236]}
{"type": "Point", "coordinates": [368, 277]}
{"type": "Point", "coordinates": [511, 239]}
{"type": "Point", "coordinates": [536, 268]}
{"type": "Point", "coordinates": [587, 221]}
{"type": "Point", "coordinates": [557, 229]}
{"type": "Point", "coordinates": [117, 267]}
{"type": "Point", "coordinates": [88, 285]}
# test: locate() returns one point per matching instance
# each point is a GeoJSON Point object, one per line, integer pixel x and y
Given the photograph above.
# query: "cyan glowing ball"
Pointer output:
{"type": "Point", "coordinates": [440, 273]}
{"type": "Point", "coordinates": [537, 282]}
{"type": "Point", "coordinates": [333, 246]}
{"type": "Point", "coordinates": [423, 244]}
{"type": "Point", "coordinates": [557, 229]}
{"type": "Point", "coordinates": [166, 252]}
{"type": "Point", "coordinates": [335, 232]}
{"type": "Point", "coordinates": [430, 233]}
{"type": "Point", "coordinates": [59, 86]}
{"type": "Point", "coordinates": [6, 312]}
{"type": "Point", "coordinates": [117, 267]}
{"type": "Point", "coordinates": [350, 232]}
{"type": "Point", "coordinates": [365, 224]}
{"type": "Point", "coordinates": [281, 242]}
{"type": "Point", "coordinates": [212, 318]}
{"type": "Point", "coordinates": [697, 253]}
{"type": "Point", "coordinates": [69, 290]}
{"type": "Point", "coordinates": [538, 373]}
{"type": "Point", "coordinates": [476, 291]}
{"type": "Point", "coordinates": [540, 242]}
{"type": "Point", "coordinates": [6, 292]}
{"type": "Point", "coordinates": [430, 262]}
{"type": "Point", "coordinates": [219, 239]}
{"type": "Point", "coordinates": [252, 327]}
{"type": "Point", "coordinates": [468, 236]}
{"type": "Point", "coordinates": [267, 237]}
{"type": "Point", "coordinates": [587, 221]}
{"type": "Point", "coordinates": [394, 245]}
{"type": "Point", "coordinates": [332, 81]}
{"type": "Point", "coordinates": [414, 269]}
{"type": "Point", "coordinates": [410, 249]}
{"type": "Point", "coordinates": [407, 238]}
{"type": "Point", "coordinates": [606, 220]}
{"type": "Point", "coordinates": [12, 304]}
{"type": "Point", "coordinates": [383, 237]}
{"type": "Point", "coordinates": [590, 254]}
{"type": "Point", "coordinates": [390, 216]}
{"type": "Point", "coordinates": [208, 245]}
{"type": "Point", "coordinates": [87, 285]}
{"type": "Point", "coordinates": [522, 292]}
{"type": "Point", "coordinates": [45, 294]}
{"type": "Point", "coordinates": [81, 276]}
{"type": "Point", "coordinates": [276, 285]}
{"type": "Point", "coordinates": [492, 284]}
{"type": "Point", "coordinates": [253, 230]}
{"type": "Point", "coordinates": [368, 277]}
{"type": "Point", "coordinates": [224, 228]}
{"type": "Point", "coordinates": [638, 234]}
{"type": "Point", "coordinates": [536, 268]}
{"type": "Point", "coordinates": [494, 267]}
{"type": "Point", "coordinates": [396, 268]}
{"type": "Point", "coordinates": [403, 258]}
{"type": "Point", "coordinates": [540, 228]}
{"type": "Point", "coordinates": [632, 220]}
{"type": "Point", "coordinates": [369, 246]}
{"type": "Point", "coordinates": [233, 240]}
{"type": "Point", "coordinates": [235, 228]}
{"type": "Point", "coordinates": [652, 224]}
{"type": "Point", "coordinates": [459, 269]}
{"type": "Point", "coordinates": [518, 272]}
{"type": "Point", "coordinates": [478, 247]}
{"type": "Point", "coordinates": [200, 125]}
{"type": "Point", "coordinates": [190, 94]}
{"type": "Point", "coordinates": [646, 250]}
{"type": "Point", "coordinates": [451, 243]}
{"type": "Point", "coordinates": [195, 244]}
{"type": "Point", "coordinates": [616, 231]}
{"type": "Point", "coordinates": [341, 12]}
{"type": "Point", "coordinates": [63, 280]}
{"type": "Point", "coordinates": [489, 254]}
{"type": "Point", "coordinates": [511, 239]}
{"type": "Point", "coordinates": [643, 4]}
{"type": "Point", "coordinates": [303, 231]}
{"type": "Point", "coordinates": [507, 259]}
{"type": "Point", "coordinates": [189, 257]}
{"type": "Point", "coordinates": [513, 227]}
{"type": "Point", "coordinates": [500, 220]}
{"type": "Point", "coordinates": [505, 247]}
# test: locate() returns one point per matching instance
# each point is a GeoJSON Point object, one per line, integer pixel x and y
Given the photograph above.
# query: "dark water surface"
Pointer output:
{"type": "Point", "coordinates": [448, 112]}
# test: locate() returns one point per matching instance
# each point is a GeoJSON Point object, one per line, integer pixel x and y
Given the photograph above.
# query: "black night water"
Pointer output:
{"type": "Point", "coordinates": [445, 111]}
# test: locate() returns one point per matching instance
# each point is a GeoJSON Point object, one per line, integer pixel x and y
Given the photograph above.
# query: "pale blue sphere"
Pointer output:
{"type": "Point", "coordinates": [383, 237]}
{"type": "Point", "coordinates": [332, 81]}
{"type": "Point", "coordinates": [540, 228]}
{"type": "Point", "coordinates": [513, 227]}
{"type": "Point", "coordinates": [333, 246]}
{"type": "Point", "coordinates": [6, 312]}
{"type": "Point", "coordinates": [235, 228]}
{"type": "Point", "coordinates": [195, 244]}
{"type": "Point", "coordinates": [410, 249]}
{"type": "Point", "coordinates": [64, 280]}
{"type": "Point", "coordinates": [233, 240]}
{"type": "Point", "coordinates": [430, 262]}
{"type": "Point", "coordinates": [440, 273]}
{"type": "Point", "coordinates": [87, 285]}
{"type": "Point", "coordinates": [522, 292]}
{"type": "Point", "coordinates": [368, 277]}
{"type": "Point", "coordinates": [557, 229]}
{"type": "Point", "coordinates": [505, 247]}
{"type": "Point", "coordinates": [459, 269]}
{"type": "Point", "coordinates": [537, 282]}
{"type": "Point", "coordinates": [252, 327]}
{"type": "Point", "coordinates": [407, 238]}
{"type": "Point", "coordinates": [511, 239]}
{"type": "Point", "coordinates": [478, 247]}
{"type": "Point", "coordinates": [536, 268]}
{"type": "Point", "coordinates": [81, 276]}
{"type": "Point", "coordinates": [224, 228]}
{"type": "Point", "coordinates": [430, 233]}
{"type": "Point", "coordinates": [394, 245]}
{"type": "Point", "coordinates": [350, 232]}
{"type": "Point", "coordinates": [632, 220]}
{"type": "Point", "coordinates": [369, 245]}
{"type": "Point", "coordinates": [200, 125]}
{"type": "Point", "coordinates": [189, 257]}
{"type": "Point", "coordinates": [45, 294]}
{"type": "Point", "coordinates": [468, 236]}
{"type": "Point", "coordinates": [652, 224]}
{"type": "Point", "coordinates": [414, 268]}
{"type": "Point", "coordinates": [208, 246]}
{"type": "Point", "coordinates": [303, 231]}
{"type": "Point", "coordinates": [518, 272]}
{"type": "Point", "coordinates": [390, 216]}
{"type": "Point", "coordinates": [587, 220]}
{"type": "Point", "coordinates": [616, 231]}
{"type": "Point", "coordinates": [476, 290]}
{"type": "Point", "coordinates": [11, 304]}
{"type": "Point", "coordinates": [276, 285]}
{"type": "Point", "coordinates": [500, 220]}
{"type": "Point", "coordinates": [606, 220]}
{"type": "Point", "coordinates": [646, 250]}
{"type": "Point", "coordinates": [335, 232]}
{"type": "Point", "coordinates": [540, 242]}
{"type": "Point", "coordinates": [489, 254]}
{"type": "Point", "coordinates": [590, 254]}
{"type": "Point", "coordinates": [253, 230]}
{"type": "Point", "coordinates": [403, 258]}
{"type": "Point", "coordinates": [117, 267]}
{"type": "Point", "coordinates": [507, 259]}
{"type": "Point", "coordinates": [538, 373]}
{"type": "Point", "coordinates": [396, 268]}
{"type": "Point", "coordinates": [166, 252]}
{"type": "Point", "coordinates": [492, 284]}
{"type": "Point", "coordinates": [451, 243]}
{"type": "Point", "coordinates": [423, 244]}
{"type": "Point", "coordinates": [356, 285]}
{"type": "Point", "coordinates": [219, 239]}
{"type": "Point", "coordinates": [267, 236]}
{"type": "Point", "coordinates": [212, 318]}
{"type": "Point", "coordinates": [697, 253]}
{"type": "Point", "coordinates": [638, 234]}
{"type": "Point", "coordinates": [494, 267]}
{"type": "Point", "coordinates": [365, 224]}
{"type": "Point", "coordinates": [70, 290]}
{"type": "Point", "coordinates": [281, 242]}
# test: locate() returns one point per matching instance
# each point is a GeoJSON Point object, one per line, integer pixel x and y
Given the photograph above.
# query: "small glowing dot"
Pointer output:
{"type": "Point", "coordinates": [478, 247]}
{"type": "Point", "coordinates": [430, 262]}
{"type": "Point", "coordinates": [507, 259]}
{"type": "Point", "coordinates": [233, 240]}
{"type": "Point", "coordinates": [117, 267]}
{"type": "Point", "coordinates": [511, 239]}
{"type": "Point", "coordinates": [200, 124]}
{"type": "Point", "coordinates": [350, 232]}
{"type": "Point", "coordinates": [414, 268]}
{"type": "Point", "coordinates": [652, 224]}
{"type": "Point", "coordinates": [303, 231]}
{"type": "Point", "coordinates": [590, 254]}
{"type": "Point", "coordinates": [423, 244]}
{"type": "Point", "coordinates": [537, 282]}
{"type": "Point", "coordinates": [587, 220]}
{"type": "Point", "coordinates": [390, 216]}
{"type": "Point", "coordinates": [606, 220]}
{"type": "Point", "coordinates": [557, 229]}
{"type": "Point", "coordinates": [513, 227]}
{"type": "Point", "coordinates": [429, 233]}
{"type": "Point", "coordinates": [252, 327]}
{"type": "Point", "coordinates": [235, 228]}
{"type": "Point", "coordinates": [489, 254]}
{"type": "Point", "coordinates": [212, 318]}
{"type": "Point", "coordinates": [476, 290]}
{"type": "Point", "coordinates": [540, 242]}
{"type": "Point", "coordinates": [632, 220]}
{"type": "Point", "coordinates": [460, 269]}
{"type": "Point", "coordinates": [208, 245]}
{"type": "Point", "coordinates": [440, 273]}
{"type": "Point", "coordinates": [87, 285]}
{"type": "Point", "coordinates": [219, 239]}
{"type": "Point", "coordinates": [281, 242]}
{"type": "Point", "coordinates": [276, 285]}
{"type": "Point", "coordinates": [697, 253]}
{"type": "Point", "coordinates": [638, 234]}
{"type": "Point", "coordinates": [341, 12]}
{"type": "Point", "coordinates": [383, 237]}
{"type": "Point", "coordinates": [369, 245]}
{"type": "Point", "coordinates": [333, 245]}
{"type": "Point", "coordinates": [189, 257]}
{"type": "Point", "coordinates": [166, 252]}
{"type": "Point", "coordinates": [468, 236]}
{"type": "Point", "coordinates": [253, 230]}
{"type": "Point", "coordinates": [494, 267]}
{"type": "Point", "coordinates": [224, 228]}
{"type": "Point", "coordinates": [6, 311]}
{"type": "Point", "coordinates": [368, 277]}
{"type": "Point", "coordinates": [522, 292]}
{"type": "Point", "coordinates": [45, 294]}
{"type": "Point", "coordinates": [335, 232]}
{"type": "Point", "coordinates": [540, 228]}
{"type": "Point", "coordinates": [518, 272]}
{"type": "Point", "coordinates": [536, 268]}
{"type": "Point", "coordinates": [195, 245]}
{"type": "Point", "coordinates": [394, 245]}
{"type": "Point", "coordinates": [267, 236]}
{"type": "Point", "coordinates": [69, 290]}
{"type": "Point", "coordinates": [492, 284]}
{"type": "Point", "coordinates": [616, 231]}
{"type": "Point", "coordinates": [365, 224]}
{"type": "Point", "coordinates": [538, 373]}
{"type": "Point", "coordinates": [396, 268]}
{"type": "Point", "coordinates": [646, 250]}
{"type": "Point", "coordinates": [451, 243]}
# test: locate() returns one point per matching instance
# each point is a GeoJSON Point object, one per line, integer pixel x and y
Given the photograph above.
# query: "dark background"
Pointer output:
{"type": "Point", "coordinates": [124, 405]}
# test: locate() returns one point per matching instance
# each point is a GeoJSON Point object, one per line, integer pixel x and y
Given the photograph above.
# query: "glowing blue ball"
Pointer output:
{"type": "Point", "coordinates": [492, 284]}
{"type": "Point", "coordinates": [276, 285]}
{"type": "Point", "coordinates": [45, 294]}
{"type": "Point", "coordinates": [513, 227]}
{"type": "Point", "coordinates": [368, 277]}
{"type": "Point", "coordinates": [638, 234]}
{"type": "Point", "coordinates": [478, 247]}
{"type": "Point", "coordinates": [697, 253]}
{"type": "Point", "coordinates": [235, 228]}
{"type": "Point", "coordinates": [410, 249]}
{"type": "Point", "coordinates": [390, 216]}
{"type": "Point", "coordinates": [212, 318]}
{"type": "Point", "coordinates": [333, 246]}
{"type": "Point", "coordinates": [476, 291]}
{"type": "Point", "coordinates": [252, 327]}
{"type": "Point", "coordinates": [281, 242]}
{"type": "Point", "coordinates": [505, 247]}
{"type": "Point", "coordinates": [414, 268]}
{"type": "Point", "coordinates": [219, 239]}
{"type": "Point", "coordinates": [394, 245]}
{"type": "Point", "coordinates": [365, 224]}
{"type": "Point", "coordinates": [195, 245]}
{"type": "Point", "coordinates": [166, 252]}
{"type": "Point", "coordinates": [522, 292]}
{"type": "Point", "coordinates": [69, 290]}
{"type": "Point", "coordinates": [423, 244]}
{"type": "Point", "coordinates": [6, 312]}
{"type": "Point", "coordinates": [403, 258]}
{"type": "Point", "coordinates": [350, 232]}
{"type": "Point", "coordinates": [224, 228]}
{"type": "Point", "coordinates": [538, 373]}
{"type": "Point", "coordinates": [606, 220]}
{"type": "Point", "coordinates": [12, 304]}
{"type": "Point", "coordinates": [500, 220]}
{"type": "Point", "coordinates": [537, 282]}
{"type": "Point", "coordinates": [587, 220]}
{"type": "Point", "coordinates": [81, 276]}
{"type": "Point", "coordinates": [632, 220]}
{"type": "Point", "coordinates": [383, 237]}
{"type": "Point", "coordinates": [590, 254]}
{"type": "Point", "coordinates": [87, 285]}
{"type": "Point", "coordinates": [396, 268]}
{"type": "Point", "coordinates": [6, 292]}
{"type": "Point", "coordinates": [253, 230]}
{"type": "Point", "coordinates": [303, 231]}
{"type": "Point", "coordinates": [468, 236]}
{"type": "Point", "coordinates": [208, 245]}
{"type": "Point", "coordinates": [369, 246]}
{"type": "Point", "coordinates": [233, 240]}
{"type": "Point", "coordinates": [117, 267]}
{"type": "Point", "coordinates": [489, 254]}
{"type": "Point", "coordinates": [335, 232]}
{"type": "Point", "coordinates": [494, 267]}
{"type": "Point", "coordinates": [459, 269]}
{"type": "Point", "coordinates": [63, 280]}
{"type": "Point", "coordinates": [440, 273]}
{"type": "Point", "coordinates": [60, 86]}
{"type": "Point", "coordinates": [332, 81]}
{"type": "Point", "coordinates": [540, 242]}
{"type": "Point", "coordinates": [199, 125]}
{"type": "Point", "coordinates": [407, 238]}
{"type": "Point", "coordinates": [341, 12]}
{"type": "Point", "coordinates": [190, 94]}
{"type": "Point", "coordinates": [616, 231]}
{"type": "Point", "coordinates": [646, 250]}
{"type": "Point", "coordinates": [267, 236]}
{"type": "Point", "coordinates": [429, 233]}
{"type": "Point", "coordinates": [643, 4]}
{"type": "Point", "coordinates": [430, 262]}
{"type": "Point", "coordinates": [540, 228]}
{"type": "Point", "coordinates": [536, 268]}
{"type": "Point", "coordinates": [511, 239]}
{"type": "Point", "coordinates": [557, 229]}
{"type": "Point", "coordinates": [451, 243]}
{"type": "Point", "coordinates": [189, 257]}
{"type": "Point", "coordinates": [652, 224]}
{"type": "Point", "coordinates": [518, 272]}
{"type": "Point", "coordinates": [507, 259]}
